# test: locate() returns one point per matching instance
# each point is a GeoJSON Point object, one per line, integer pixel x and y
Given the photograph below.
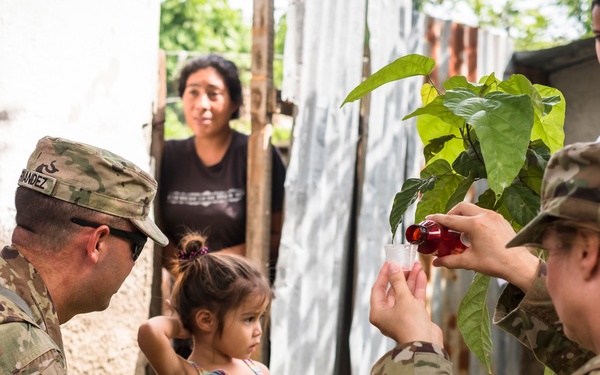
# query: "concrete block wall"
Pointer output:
{"type": "Point", "coordinates": [85, 71]}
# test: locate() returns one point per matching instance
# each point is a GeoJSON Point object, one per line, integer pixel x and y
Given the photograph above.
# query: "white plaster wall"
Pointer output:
{"type": "Point", "coordinates": [580, 85]}
{"type": "Point", "coordinates": [86, 71]}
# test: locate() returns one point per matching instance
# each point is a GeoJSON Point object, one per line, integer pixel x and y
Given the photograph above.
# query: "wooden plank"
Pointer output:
{"type": "Point", "coordinates": [259, 147]}
{"type": "Point", "coordinates": [262, 105]}
{"type": "Point", "coordinates": [156, 150]}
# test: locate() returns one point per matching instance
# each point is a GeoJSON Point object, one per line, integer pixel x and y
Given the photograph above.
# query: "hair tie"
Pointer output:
{"type": "Point", "coordinates": [183, 255]}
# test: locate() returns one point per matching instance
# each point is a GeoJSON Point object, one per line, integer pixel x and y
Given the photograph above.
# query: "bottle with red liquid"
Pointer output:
{"type": "Point", "coordinates": [435, 239]}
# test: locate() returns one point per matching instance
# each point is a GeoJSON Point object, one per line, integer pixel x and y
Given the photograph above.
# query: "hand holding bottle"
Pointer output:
{"type": "Point", "coordinates": [488, 232]}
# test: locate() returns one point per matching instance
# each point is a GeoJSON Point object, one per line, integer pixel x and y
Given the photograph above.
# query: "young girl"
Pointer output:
{"type": "Point", "coordinates": [220, 301]}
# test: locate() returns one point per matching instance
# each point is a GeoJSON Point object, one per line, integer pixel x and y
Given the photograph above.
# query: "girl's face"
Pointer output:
{"type": "Point", "coordinates": [596, 28]}
{"type": "Point", "coordinates": [207, 105]}
{"type": "Point", "coordinates": [242, 329]}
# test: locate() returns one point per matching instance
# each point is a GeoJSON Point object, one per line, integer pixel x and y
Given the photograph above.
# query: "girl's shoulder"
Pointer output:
{"type": "Point", "coordinates": [202, 371]}
{"type": "Point", "coordinates": [257, 367]}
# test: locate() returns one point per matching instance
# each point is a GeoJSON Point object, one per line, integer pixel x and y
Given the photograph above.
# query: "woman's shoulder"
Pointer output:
{"type": "Point", "coordinates": [239, 139]}
{"type": "Point", "coordinates": [178, 147]}
{"type": "Point", "coordinates": [179, 144]}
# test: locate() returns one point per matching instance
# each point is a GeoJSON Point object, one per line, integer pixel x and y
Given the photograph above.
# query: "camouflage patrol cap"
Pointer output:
{"type": "Point", "coordinates": [570, 190]}
{"type": "Point", "coordinates": [94, 178]}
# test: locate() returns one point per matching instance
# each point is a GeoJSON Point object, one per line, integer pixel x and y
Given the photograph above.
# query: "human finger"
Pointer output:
{"type": "Point", "coordinates": [397, 281]}
{"type": "Point", "coordinates": [465, 209]}
{"type": "Point", "coordinates": [420, 292]}
{"type": "Point", "coordinates": [411, 278]}
{"type": "Point", "coordinates": [380, 286]}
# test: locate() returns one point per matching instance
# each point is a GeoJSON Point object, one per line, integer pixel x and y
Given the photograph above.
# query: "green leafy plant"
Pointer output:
{"type": "Point", "coordinates": [501, 131]}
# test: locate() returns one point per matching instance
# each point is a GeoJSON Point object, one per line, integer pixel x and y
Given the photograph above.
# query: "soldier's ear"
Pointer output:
{"type": "Point", "coordinates": [589, 256]}
{"type": "Point", "coordinates": [96, 242]}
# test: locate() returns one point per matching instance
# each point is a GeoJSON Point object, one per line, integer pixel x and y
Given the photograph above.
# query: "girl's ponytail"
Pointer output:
{"type": "Point", "coordinates": [191, 247]}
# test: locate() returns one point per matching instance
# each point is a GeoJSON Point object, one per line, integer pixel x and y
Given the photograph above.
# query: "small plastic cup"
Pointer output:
{"type": "Point", "coordinates": [403, 254]}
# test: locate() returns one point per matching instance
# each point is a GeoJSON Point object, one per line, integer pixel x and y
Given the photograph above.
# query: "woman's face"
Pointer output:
{"type": "Point", "coordinates": [596, 28]}
{"type": "Point", "coordinates": [207, 105]}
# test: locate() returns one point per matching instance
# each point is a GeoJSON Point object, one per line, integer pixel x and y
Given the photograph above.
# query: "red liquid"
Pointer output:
{"type": "Point", "coordinates": [435, 239]}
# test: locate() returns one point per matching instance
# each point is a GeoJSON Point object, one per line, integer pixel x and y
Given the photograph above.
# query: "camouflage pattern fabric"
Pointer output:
{"type": "Point", "coordinates": [570, 190]}
{"type": "Point", "coordinates": [414, 358]}
{"type": "Point", "coordinates": [28, 345]}
{"type": "Point", "coordinates": [532, 319]}
{"type": "Point", "coordinates": [94, 178]}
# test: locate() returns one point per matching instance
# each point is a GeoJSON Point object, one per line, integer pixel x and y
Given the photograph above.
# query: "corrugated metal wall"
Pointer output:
{"type": "Point", "coordinates": [324, 42]}
{"type": "Point", "coordinates": [315, 298]}
{"type": "Point", "coordinates": [392, 155]}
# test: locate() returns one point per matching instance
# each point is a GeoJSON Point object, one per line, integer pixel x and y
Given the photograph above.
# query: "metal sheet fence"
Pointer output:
{"type": "Point", "coordinates": [326, 44]}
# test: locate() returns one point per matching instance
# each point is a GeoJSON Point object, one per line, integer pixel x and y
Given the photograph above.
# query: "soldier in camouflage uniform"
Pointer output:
{"type": "Point", "coordinates": [81, 221]}
{"type": "Point", "coordinates": [568, 227]}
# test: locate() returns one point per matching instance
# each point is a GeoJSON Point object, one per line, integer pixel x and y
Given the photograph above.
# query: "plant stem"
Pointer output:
{"type": "Point", "coordinates": [468, 137]}
{"type": "Point", "coordinates": [433, 85]}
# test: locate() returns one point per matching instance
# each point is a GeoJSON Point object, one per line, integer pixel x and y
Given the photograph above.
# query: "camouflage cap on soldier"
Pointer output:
{"type": "Point", "coordinates": [570, 190]}
{"type": "Point", "coordinates": [94, 178]}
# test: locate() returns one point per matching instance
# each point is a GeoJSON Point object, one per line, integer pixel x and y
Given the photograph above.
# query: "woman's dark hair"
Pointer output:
{"type": "Point", "coordinates": [567, 231]}
{"type": "Point", "coordinates": [226, 69]}
{"type": "Point", "coordinates": [217, 282]}
{"type": "Point", "coordinates": [595, 3]}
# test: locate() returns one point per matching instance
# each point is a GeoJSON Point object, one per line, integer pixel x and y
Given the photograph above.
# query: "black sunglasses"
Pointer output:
{"type": "Point", "coordinates": [138, 240]}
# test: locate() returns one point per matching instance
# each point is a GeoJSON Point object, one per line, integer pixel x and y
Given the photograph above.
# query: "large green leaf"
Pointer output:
{"type": "Point", "coordinates": [404, 67]}
{"type": "Point", "coordinates": [460, 193]}
{"type": "Point", "coordinates": [446, 183]}
{"type": "Point", "coordinates": [431, 128]}
{"type": "Point", "coordinates": [487, 199]}
{"type": "Point", "coordinates": [537, 158]}
{"type": "Point", "coordinates": [403, 199]}
{"type": "Point", "coordinates": [503, 210]}
{"type": "Point", "coordinates": [428, 93]}
{"type": "Point", "coordinates": [503, 124]}
{"type": "Point", "coordinates": [461, 82]}
{"type": "Point", "coordinates": [551, 128]}
{"type": "Point", "coordinates": [436, 108]}
{"type": "Point", "coordinates": [518, 84]}
{"type": "Point", "coordinates": [436, 146]}
{"type": "Point", "coordinates": [521, 202]}
{"type": "Point", "coordinates": [474, 320]}
{"type": "Point", "coordinates": [469, 163]}
{"type": "Point", "coordinates": [490, 83]}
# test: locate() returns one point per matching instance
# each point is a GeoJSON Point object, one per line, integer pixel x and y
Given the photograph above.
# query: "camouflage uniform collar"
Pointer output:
{"type": "Point", "coordinates": [18, 275]}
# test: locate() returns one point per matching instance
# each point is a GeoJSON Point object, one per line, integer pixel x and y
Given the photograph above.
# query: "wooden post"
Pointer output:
{"type": "Point", "coordinates": [156, 150]}
{"type": "Point", "coordinates": [262, 106]}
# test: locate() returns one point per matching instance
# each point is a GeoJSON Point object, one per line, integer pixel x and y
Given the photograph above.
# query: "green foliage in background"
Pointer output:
{"type": "Point", "coordinates": [527, 26]}
{"type": "Point", "coordinates": [499, 131]}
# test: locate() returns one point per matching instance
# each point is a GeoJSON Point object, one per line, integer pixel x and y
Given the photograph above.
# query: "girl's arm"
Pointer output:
{"type": "Point", "coordinates": [154, 340]}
